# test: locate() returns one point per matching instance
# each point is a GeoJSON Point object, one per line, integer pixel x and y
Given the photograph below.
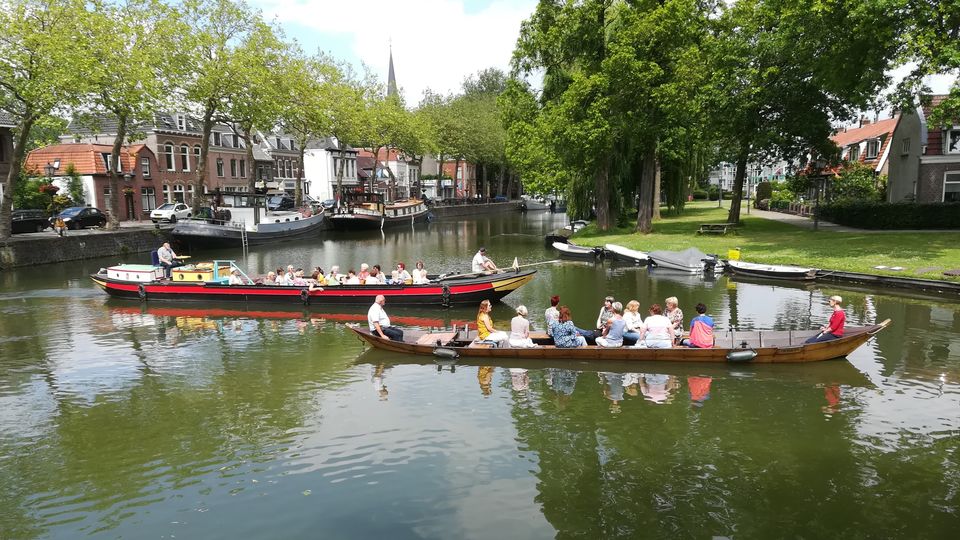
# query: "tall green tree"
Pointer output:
{"type": "Point", "coordinates": [930, 44]}
{"type": "Point", "coordinates": [778, 79]}
{"type": "Point", "coordinates": [44, 61]}
{"type": "Point", "coordinates": [137, 64]}
{"type": "Point", "coordinates": [218, 28]}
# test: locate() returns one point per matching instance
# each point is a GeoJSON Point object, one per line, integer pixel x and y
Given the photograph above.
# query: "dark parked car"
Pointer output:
{"type": "Point", "coordinates": [280, 202]}
{"type": "Point", "coordinates": [499, 198]}
{"type": "Point", "coordinates": [24, 221]}
{"type": "Point", "coordinates": [81, 217]}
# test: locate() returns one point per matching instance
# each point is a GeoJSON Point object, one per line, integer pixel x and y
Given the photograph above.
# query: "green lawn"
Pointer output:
{"type": "Point", "coordinates": [924, 255]}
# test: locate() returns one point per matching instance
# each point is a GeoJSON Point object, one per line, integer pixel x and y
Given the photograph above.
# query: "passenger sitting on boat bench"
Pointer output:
{"type": "Point", "coordinates": [658, 333]}
{"type": "Point", "coordinates": [833, 329]}
{"type": "Point", "coordinates": [701, 330]}
{"type": "Point", "coordinates": [402, 275]}
{"type": "Point", "coordinates": [552, 314]}
{"type": "Point", "coordinates": [235, 278]}
{"type": "Point", "coordinates": [481, 263]}
{"type": "Point", "coordinates": [352, 278]}
{"type": "Point", "coordinates": [271, 278]}
{"type": "Point", "coordinates": [278, 280]}
{"type": "Point", "coordinates": [675, 315]}
{"type": "Point", "coordinates": [317, 276]}
{"type": "Point", "coordinates": [333, 278]}
{"type": "Point", "coordinates": [364, 272]}
{"type": "Point", "coordinates": [564, 332]}
{"type": "Point", "coordinates": [633, 328]}
{"type": "Point", "coordinates": [420, 274]}
{"type": "Point", "coordinates": [288, 275]}
{"type": "Point", "coordinates": [373, 277]}
{"type": "Point", "coordinates": [298, 278]}
{"type": "Point", "coordinates": [380, 323]}
{"type": "Point", "coordinates": [520, 330]}
{"type": "Point", "coordinates": [168, 259]}
{"type": "Point", "coordinates": [613, 332]}
{"type": "Point", "coordinates": [485, 329]}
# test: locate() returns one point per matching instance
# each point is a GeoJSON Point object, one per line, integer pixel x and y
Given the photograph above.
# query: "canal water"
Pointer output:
{"type": "Point", "coordinates": [127, 420]}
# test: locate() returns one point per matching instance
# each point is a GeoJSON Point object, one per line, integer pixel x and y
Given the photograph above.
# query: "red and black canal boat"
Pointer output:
{"type": "Point", "coordinates": [208, 282]}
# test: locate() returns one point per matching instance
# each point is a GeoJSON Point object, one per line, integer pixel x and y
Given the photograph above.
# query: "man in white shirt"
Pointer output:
{"type": "Point", "coordinates": [380, 323]}
{"type": "Point", "coordinates": [481, 263]}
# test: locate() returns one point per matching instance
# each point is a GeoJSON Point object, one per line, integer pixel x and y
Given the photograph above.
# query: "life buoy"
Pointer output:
{"type": "Point", "coordinates": [305, 296]}
{"type": "Point", "coordinates": [142, 291]}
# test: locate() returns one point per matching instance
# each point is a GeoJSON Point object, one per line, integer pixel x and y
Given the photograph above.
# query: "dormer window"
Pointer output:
{"type": "Point", "coordinates": [293, 145]}
{"type": "Point", "coordinates": [106, 161]}
{"type": "Point", "coordinates": [873, 148]}
{"type": "Point", "coordinates": [182, 122]}
{"type": "Point", "coordinates": [279, 146]}
{"type": "Point", "coordinates": [216, 138]}
{"type": "Point", "coordinates": [853, 154]}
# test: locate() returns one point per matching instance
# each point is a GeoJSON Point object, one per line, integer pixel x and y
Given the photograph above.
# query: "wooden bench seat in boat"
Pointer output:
{"type": "Point", "coordinates": [437, 338]}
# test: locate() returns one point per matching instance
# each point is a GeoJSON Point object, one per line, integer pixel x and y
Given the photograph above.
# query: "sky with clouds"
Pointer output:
{"type": "Point", "coordinates": [436, 43]}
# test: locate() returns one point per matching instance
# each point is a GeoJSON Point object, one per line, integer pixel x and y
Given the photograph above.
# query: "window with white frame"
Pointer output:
{"type": "Point", "coordinates": [853, 153]}
{"type": "Point", "coordinates": [233, 168]}
{"type": "Point", "coordinates": [184, 158]}
{"type": "Point", "coordinates": [951, 186]}
{"type": "Point", "coordinates": [168, 156]}
{"type": "Point", "coordinates": [216, 138]}
{"type": "Point", "coordinates": [196, 156]}
{"type": "Point", "coordinates": [182, 122]}
{"type": "Point", "coordinates": [106, 161]}
{"type": "Point", "coordinates": [166, 193]}
{"type": "Point", "coordinates": [148, 198]}
{"type": "Point", "coordinates": [873, 148]}
{"type": "Point", "coordinates": [220, 167]}
{"type": "Point", "coordinates": [243, 168]}
{"type": "Point", "coordinates": [145, 167]}
{"type": "Point", "coordinates": [190, 193]}
{"type": "Point", "coordinates": [178, 193]}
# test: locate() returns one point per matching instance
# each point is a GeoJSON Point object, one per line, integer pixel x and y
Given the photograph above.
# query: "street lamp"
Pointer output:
{"type": "Point", "coordinates": [50, 169]}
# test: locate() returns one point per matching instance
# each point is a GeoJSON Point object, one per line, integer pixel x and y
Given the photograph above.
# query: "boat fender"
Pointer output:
{"type": "Point", "coordinates": [446, 353]}
{"type": "Point", "coordinates": [142, 291]}
{"type": "Point", "coordinates": [305, 296]}
{"type": "Point", "coordinates": [742, 355]}
{"type": "Point", "coordinates": [445, 297]}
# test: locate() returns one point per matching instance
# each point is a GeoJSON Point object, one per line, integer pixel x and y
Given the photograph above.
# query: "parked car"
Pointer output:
{"type": "Point", "coordinates": [280, 202]}
{"type": "Point", "coordinates": [170, 212]}
{"type": "Point", "coordinates": [499, 198]}
{"type": "Point", "coordinates": [24, 221]}
{"type": "Point", "coordinates": [328, 204]}
{"type": "Point", "coordinates": [81, 217]}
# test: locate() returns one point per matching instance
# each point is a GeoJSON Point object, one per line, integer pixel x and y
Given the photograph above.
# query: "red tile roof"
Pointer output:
{"type": "Point", "coordinates": [86, 158]}
{"type": "Point", "coordinates": [869, 131]}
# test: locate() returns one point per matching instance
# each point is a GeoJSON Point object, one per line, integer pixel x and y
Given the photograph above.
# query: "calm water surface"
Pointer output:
{"type": "Point", "coordinates": [127, 420]}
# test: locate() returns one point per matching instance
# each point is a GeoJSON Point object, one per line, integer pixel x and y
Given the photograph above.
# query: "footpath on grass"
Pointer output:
{"type": "Point", "coordinates": [775, 238]}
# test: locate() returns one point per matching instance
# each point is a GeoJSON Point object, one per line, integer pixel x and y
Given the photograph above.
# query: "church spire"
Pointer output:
{"type": "Point", "coordinates": [391, 77]}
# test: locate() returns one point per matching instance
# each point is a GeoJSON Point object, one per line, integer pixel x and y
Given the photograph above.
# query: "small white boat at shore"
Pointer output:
{"type": "Point", "coordinates": [773, 271]}
{"type": "Point", "coordinates": [574, 251]}
{"type": "Point", "coordinates": [627, 254]}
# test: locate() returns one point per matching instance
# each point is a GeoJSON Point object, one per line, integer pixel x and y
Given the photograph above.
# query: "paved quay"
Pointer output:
{"type": "Point", "coordinates": [804, 222]}
{"type": "Point", "coordinates": [47, 247]}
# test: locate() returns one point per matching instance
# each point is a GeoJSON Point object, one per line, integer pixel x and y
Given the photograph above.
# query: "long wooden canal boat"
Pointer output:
{"type": "Point", "coordinates": [761, 347]}
{"type": "Point", "coordinates": [208, 282]}
{"type": "Point", "coordinates": [369, 211]}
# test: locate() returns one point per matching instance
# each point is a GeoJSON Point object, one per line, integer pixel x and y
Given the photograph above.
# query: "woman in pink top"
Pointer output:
{"type": "Point", "coordinates": [834, 329]}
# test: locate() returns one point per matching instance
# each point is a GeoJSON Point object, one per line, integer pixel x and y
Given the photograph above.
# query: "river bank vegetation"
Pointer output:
{"type": "Point", "coordinates": [921, 255]}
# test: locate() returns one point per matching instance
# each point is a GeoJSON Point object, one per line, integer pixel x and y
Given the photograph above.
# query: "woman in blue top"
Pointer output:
{"type": "Point", "coordinates": [564, 332]}
{"type": "Point", "coordinates": [613, 331]}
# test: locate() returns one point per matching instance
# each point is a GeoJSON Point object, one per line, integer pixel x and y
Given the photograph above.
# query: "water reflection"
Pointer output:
{"type": "Point", "coordinates": [128, 419]}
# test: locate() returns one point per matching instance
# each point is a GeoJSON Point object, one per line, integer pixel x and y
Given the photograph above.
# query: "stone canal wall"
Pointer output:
{"type": "Point", "coordinates": [46, 248]}
{"type": "Point", "coordinates": [474, 209]}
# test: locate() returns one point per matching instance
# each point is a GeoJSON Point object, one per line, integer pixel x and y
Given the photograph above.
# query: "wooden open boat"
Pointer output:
{"type": "Point", "coordinates": [773, 271]}
{"type": "Point", "coordinates": [760, 347]}
{"type": "Point", "coordinates": [208, 282]}
{"type": "Point", "coordinates": [574, 251]}
{"type": "Point", "coordinates": [628, 255]}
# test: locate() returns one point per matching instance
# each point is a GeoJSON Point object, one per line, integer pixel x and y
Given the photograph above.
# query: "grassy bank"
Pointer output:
{"type": "Point", "coordinates": [923, 255]}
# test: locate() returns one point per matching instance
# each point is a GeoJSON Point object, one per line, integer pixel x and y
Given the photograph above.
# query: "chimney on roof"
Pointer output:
{"type": "Point", "coordinates": [864, 121]}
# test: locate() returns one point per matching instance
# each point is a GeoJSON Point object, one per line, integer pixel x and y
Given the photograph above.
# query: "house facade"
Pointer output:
{"type": "Point", "coordinates": [284, 163]}
{"type": "Point", "coordinates": [396, 169]}
{"type": "Point", "coordinates": [92, 162]}
{"type": "Point", "coordinates": [938, 178]}
{"type": "Point", "coordinates": [321, 163]}
{"type": "Point", "coordinates": [724, 174]}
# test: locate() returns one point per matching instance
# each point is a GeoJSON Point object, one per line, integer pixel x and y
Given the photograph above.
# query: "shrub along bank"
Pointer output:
{"type": "Point", "coordinates": [872, 215]}
{"type": "Point", "coordinates": [922, 255]}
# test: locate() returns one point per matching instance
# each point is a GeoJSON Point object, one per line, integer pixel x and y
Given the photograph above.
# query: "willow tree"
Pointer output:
{"type": "Point", "coordinates": [44, 62]}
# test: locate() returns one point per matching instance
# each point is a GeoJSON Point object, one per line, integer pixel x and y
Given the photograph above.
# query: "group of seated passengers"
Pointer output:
{"type": "Point", "coordinates": [367, 276]}
{"type": "Point", "coordinates": [617, 327]}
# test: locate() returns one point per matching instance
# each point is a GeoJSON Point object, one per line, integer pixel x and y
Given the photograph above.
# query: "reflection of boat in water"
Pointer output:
{"type": "Point", "coordinates": [126, 310]}
{"type": "Point", "coordinates": [772, 271]}
{"type": "Point", "coordinates": [688, 279]}
{"type": "Point", "coordinates": [627, 255]}
{"type": "Point", "coordinates": [208, 282]}
{"type": "Point", "coordinates": [530, 204]}
{"type": "Point", "coordinates": [772, 347]}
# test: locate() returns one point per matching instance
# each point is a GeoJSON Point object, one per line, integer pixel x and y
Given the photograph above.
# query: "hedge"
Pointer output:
{"type": "Point", "coordinates": [871, 215]}
{"type": "Point", "coordinates": [699, 195]}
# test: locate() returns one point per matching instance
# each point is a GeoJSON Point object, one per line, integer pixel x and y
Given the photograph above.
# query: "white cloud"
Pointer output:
{"type": "Point", "coordinates": [436, 43]}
